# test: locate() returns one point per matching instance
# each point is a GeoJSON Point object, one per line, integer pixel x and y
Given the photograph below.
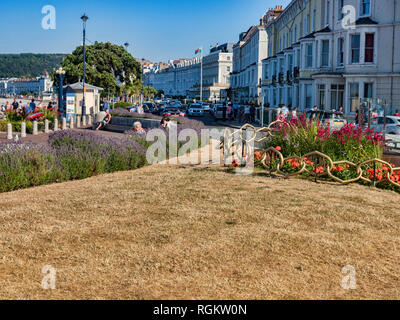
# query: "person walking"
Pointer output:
{"type": "Point", "coordinates": [247, 114]}
{"type": "Point", "coordinates": [252, 113]}
{"type": "Point", "coordinates": [294, 114]}
{"type": "Point", "coordinates": [15, 105]}
{"type": "Point", "coordinates": [235, 111]}
{"type": "Point", "coordinates": [229, 112]}
{"type": "Point", "coordinates": [224, 110]}
{"type": "Point", "coordinates": [32, 106]}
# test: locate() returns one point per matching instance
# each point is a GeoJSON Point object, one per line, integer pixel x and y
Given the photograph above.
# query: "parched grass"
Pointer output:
{"type": "Point", "coordinates": [199, 233]}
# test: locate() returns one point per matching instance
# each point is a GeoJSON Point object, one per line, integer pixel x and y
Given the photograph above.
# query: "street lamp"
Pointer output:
{"type": "Point", "coordinates": [61, 74]}
{"type": "Point", "coordinates": [84, 18]}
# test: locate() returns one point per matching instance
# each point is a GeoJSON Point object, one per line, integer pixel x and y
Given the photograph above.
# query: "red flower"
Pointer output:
{"type": "Point", "coordinates": [278, 148]}
{"type": "Point", "coordinates": [319, 170]}
{"type": "Point", "coordinates": [258, 156]}
{"type": "Point", "coordinates": [235, 163]}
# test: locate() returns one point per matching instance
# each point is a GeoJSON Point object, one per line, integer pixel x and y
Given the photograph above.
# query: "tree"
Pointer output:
{"type": "Point", "coordinates": [149, 92]}
{"type": "Point", "coordinates": [107, 66]}
{"type": "Point", "coordinates": [133, 90]}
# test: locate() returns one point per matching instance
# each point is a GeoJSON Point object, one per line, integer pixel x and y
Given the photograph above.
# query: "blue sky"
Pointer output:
{"type": "Point", "coordinates": [156, 29]}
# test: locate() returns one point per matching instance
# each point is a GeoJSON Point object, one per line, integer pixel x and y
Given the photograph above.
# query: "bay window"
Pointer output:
{"type": "Point", "coordinates": [321, 94]}
{"type": "Point", "coordinates": [355, 48]}
{"type": "Point", "coordinates": [325, 53]}
{"type": "Point", "coordinates": [369, 47]}
{"type": "Point", "coordinates": [309, 56]}
{"type": "Point", "coordinates": [354, 97]}
{"type": "Point", "coordinates": [340, 51]}
{"type": "Point", "coordinates": [337, 96]}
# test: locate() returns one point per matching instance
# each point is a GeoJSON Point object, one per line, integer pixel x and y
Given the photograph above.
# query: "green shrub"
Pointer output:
{"type": "Point", "coordinates": [122, 105]}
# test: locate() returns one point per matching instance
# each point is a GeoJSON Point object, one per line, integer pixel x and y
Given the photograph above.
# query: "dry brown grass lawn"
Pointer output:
{"type": "Point", "coordinates": [199, 233]}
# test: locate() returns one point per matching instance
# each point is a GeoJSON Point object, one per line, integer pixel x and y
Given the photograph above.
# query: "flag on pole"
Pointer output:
{"type": "Point", "coordinates": [198, 51]}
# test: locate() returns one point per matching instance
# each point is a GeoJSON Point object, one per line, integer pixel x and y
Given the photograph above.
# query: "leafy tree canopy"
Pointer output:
{"type": "Point", "coordinates": [107, 65]}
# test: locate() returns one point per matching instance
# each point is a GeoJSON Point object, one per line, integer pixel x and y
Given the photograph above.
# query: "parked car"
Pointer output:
{"type": "Point", "coordinates": [161, 107]}
{"type": "Point", "coordinates": [335, 120]}
{"type": "Point", "coordinates": [196, 110]}
{"type": "Point", "coordinates": [207, 107]}
{"type": "Point", "coordinates": [149, 107]}
{"type": "Point", "coordinates": [174, 112]}
{"type": "Point", "coordinates": [392, 124]}
{"type": "Point", "coordinates": [218, 111]}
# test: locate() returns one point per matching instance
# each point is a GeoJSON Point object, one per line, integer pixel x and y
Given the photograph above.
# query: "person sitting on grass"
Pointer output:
{"type": "Point", "coordinates": [105, 121]}
{"type": "Point", "coordinates": [138, 129]}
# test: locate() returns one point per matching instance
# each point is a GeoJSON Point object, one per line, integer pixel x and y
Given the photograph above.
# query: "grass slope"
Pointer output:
{"type": "Point", "coordinates": [199, 233]}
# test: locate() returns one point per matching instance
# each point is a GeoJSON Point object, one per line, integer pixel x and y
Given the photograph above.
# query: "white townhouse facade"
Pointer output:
{"type": "Point", "coordinates": [183, 78]}
{"type": "Point", "coordinates": [248, 54]}
{"type": "Point", "coordinates": [317, 58]}
{"type": "Point", "coordinates": [38, 85]}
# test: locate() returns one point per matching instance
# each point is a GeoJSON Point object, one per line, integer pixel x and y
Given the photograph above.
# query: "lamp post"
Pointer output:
{"type": "Point", "coordinates": [84, 18]}
{"type": "Point", "coordinates": [262, 108]}
{"type": "Point", "coordinates": [61, 74]}
{"type": "Point", "coordinates": [126, 45]}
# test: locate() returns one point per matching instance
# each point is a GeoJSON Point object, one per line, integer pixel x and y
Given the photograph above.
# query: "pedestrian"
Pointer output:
{"type": "Point", "coordinates": [230, 111]}
{"type": "Point", "coordinates": [357, 118]}
{"type": "Point", "coordinates": [32, 106]}
{"type": "Point", "coordinates": [235, 111]}
{"type": "Point", "coordinates": [247, 114]}
{"type": "Point", "coordinates": [294, 114]}
{"type": "Point", "coordinates": [285, 110]}
{"type": "Point", "coordinates": [15, 105]}
{"type": "Point", "coordinates": [252, 113]}
{"type": "Point", "coordinates": [224, 110]}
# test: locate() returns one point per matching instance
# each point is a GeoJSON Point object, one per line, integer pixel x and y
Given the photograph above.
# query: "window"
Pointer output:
{"type": "Point", "coordinates": [325, 53]}
{"type": "Point", "coordinates": [369, 47]}
{"type": "Point", "coordinates": [228, 58]}
{"type": "Point", "coordinates": [290, 66]}
{"type": "Point", "coordinates": [337, 96]}
{"type": "Point", "coordinates": [327, 12]}
{"type": "Point", "coordinates": [295, 33]}
{"type": "Point", "coordinates": [368, 90]}
{"type": "Point", "coordinates": [355, 48]}
{"type": "Point", "coordinates": [228, 69]}
{"type": "Point", "coordinates": [282, 65]}
{"type": "Point", "coordinates": [298, 62]}
{"type": "Point", "coordinates": [314, 19]}
{"type": "Point", "coordinates": [308, 96]}
{"type": "Point", "coordinates": [309, 56]}
{"type": "Point", "coordinates": [308, 23]}
{"type": "Point", "coordinates": [365, 7]}
{"type": "Point", "coordinates": [340, 9]}
{"type": "Point", "coordinates": [321, 94]}
{"type": "Point", "coordinates": [340, 51]}
{"type": "Point", "coordinates": [354, 97]}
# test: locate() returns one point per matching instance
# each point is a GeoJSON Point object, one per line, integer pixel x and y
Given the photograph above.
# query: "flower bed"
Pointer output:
{"type": "Point", "coordinates": [16, 120]}
{"type": "Point", "coordinates": [68, 156]}
{"type": "Point", "coordinates": [351, 154]}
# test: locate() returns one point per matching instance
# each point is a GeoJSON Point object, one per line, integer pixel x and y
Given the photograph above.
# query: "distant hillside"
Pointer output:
{"type": "Point", "coordinates": [28, 64]}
